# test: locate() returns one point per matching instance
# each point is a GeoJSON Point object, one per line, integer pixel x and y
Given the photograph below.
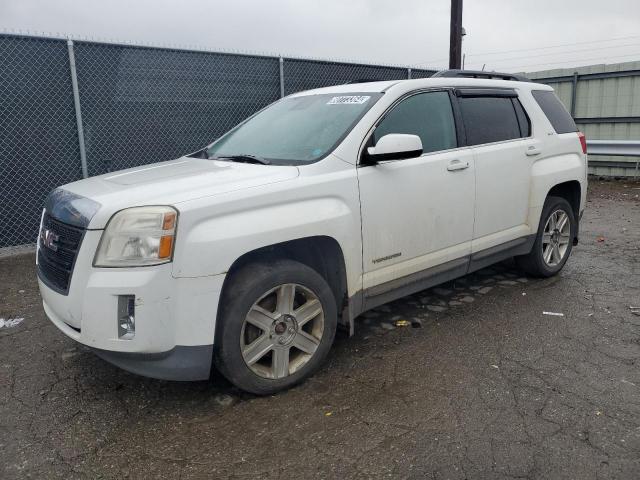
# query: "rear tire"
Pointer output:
{"type": "Point", "coordinates": [554, 240]}
{"type": "Point", "coordinates": [276, 326]}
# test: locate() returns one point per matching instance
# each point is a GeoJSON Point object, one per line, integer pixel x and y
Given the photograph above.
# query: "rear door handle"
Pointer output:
{"type": "Point", "coordinates": [532, 150]}
{"type": "Point", "coordinates": [457, 165]}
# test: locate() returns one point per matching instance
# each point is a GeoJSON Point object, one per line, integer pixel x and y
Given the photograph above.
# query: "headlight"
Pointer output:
{"type": "Point", "coordinates": [138, 236]}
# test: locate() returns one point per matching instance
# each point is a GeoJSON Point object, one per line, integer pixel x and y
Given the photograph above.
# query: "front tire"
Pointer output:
{"type": "Point", "coordinates": [554, 240]}
{"type": "Point", "coordinates": [277, 323]}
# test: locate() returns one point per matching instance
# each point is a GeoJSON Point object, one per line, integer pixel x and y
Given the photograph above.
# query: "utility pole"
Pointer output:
{"type": "Point", "coordinates": [455, 35]}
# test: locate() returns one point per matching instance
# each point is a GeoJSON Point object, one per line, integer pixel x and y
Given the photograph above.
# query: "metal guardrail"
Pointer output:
{"type": "Point", "coordinates": [614, 148]}
{"type": "Point", "coordinates": [617, 148]}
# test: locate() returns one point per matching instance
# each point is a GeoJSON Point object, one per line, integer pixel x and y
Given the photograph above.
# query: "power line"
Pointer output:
{"type": "Point", "coordinates": [566, 52]}
{"type": "Point", "coordinates": [579, 60]}
{"type": "Point", "coordinates": [537, 48]}
{"type": "Point", "coordinates": [559, 45]}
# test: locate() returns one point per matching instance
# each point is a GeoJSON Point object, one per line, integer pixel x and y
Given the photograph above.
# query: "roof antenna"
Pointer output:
{"type": "Point", "coordinates": [483, 65]}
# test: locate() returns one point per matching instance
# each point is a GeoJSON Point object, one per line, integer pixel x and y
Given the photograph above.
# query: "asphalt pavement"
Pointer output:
{"type": "Point", "coordinates": [468, 380]}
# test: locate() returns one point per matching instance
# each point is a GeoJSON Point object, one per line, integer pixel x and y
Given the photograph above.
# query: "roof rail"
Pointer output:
{"type": "Point", "coordinates": [480, 74]}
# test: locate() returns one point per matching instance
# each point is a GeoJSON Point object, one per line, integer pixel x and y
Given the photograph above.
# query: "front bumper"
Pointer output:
{"type": "Point", "coordinates": [181, 363]}
{"type": "Point", "coordinates": [174, 317]}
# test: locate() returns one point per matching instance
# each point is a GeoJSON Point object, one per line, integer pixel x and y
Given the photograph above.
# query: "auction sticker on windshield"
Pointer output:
{"type": "Point", "coordinates": [349, 99]}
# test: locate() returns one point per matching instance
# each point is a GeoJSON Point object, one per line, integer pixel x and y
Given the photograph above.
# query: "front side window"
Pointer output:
{"type": "Point", "coordinates": [490, 119]}
{"type": "Point", "coordinates": [296, 130]}
{"type": "Point", "coordinates": [428, 115]}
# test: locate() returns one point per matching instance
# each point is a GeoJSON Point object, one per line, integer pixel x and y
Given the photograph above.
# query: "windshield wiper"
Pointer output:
{"type": "Point", "coordinates": [245, 158]}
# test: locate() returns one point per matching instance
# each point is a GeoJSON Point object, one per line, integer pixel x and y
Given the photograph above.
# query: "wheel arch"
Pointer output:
{"type": "Point", "coordinates": [560, 175]}
{"type": "Point", "coordinates": [571, 191]}
{"type": "Point", "coordinates": [321, 253]}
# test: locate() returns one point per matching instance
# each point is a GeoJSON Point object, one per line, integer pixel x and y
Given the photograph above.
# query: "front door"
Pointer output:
{"type": "Point", "coordinates": [417, 214]}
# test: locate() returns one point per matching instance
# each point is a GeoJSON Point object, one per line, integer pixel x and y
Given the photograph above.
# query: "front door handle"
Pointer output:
{"type": "Point", "coordinates": [457, 165]}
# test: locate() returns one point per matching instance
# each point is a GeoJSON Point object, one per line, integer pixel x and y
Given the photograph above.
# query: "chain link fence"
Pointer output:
{"type": "Point", "coordinates": [135, 105]}
{"type": "Point", "coordinates": [307, 74]}
{"type": "Point", "coordinates": [38, 134]}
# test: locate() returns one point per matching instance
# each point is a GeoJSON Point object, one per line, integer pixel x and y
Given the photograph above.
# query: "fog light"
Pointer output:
{"type": "Point", "coordinates": [126, 317]}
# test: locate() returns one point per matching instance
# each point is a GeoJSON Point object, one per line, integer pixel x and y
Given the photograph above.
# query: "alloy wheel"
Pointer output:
{"type": "Point", "coordinates": [282, 331]}
{"type": "Point", "coordinates": [555, 238]}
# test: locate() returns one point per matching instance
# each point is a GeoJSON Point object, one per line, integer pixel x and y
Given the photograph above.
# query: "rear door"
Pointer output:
{"type": "Point", "coordinates": [499, 130]}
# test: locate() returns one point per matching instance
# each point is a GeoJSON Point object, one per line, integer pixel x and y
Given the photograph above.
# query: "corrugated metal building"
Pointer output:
{"type": "Point", "coordinates": [605, 101]}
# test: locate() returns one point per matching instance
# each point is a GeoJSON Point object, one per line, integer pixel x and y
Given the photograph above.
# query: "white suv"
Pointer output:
{"type": "Point", "coordinates": [251, 252]}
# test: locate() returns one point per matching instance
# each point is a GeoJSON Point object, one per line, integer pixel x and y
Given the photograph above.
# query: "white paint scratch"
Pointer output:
{"type": "Point", "coordinates": [555, 314]}
{"type": "Point", "coordinates": [10, 322]}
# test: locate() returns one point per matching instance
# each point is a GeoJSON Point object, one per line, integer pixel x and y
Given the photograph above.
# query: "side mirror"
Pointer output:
{"type": "Point", "coordinates": [395, 146]}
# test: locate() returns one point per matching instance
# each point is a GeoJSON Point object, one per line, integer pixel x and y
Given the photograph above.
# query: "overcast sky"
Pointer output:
{"type": "Point", "coordinates": [510, 35]}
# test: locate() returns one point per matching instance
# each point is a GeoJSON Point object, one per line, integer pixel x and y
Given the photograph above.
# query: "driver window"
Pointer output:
{"type": "Point", "coordinates": [428, 115]}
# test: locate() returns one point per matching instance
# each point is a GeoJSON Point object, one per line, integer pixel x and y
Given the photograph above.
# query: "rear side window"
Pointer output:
{"type": "Point", "coordinates": [490, 119]}
{"type": "Point", "coordinates": [428, 115]}
{"type": "Point", "coordinates": [554, 110]}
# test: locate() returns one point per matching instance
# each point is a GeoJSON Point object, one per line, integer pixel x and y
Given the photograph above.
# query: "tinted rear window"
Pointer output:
{"type": "Point", "coordinates": [554, 110]}
{"type": "Point", "coordinates": [489, 119]}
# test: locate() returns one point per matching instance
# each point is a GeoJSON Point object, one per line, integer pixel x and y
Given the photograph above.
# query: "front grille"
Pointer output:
{"type": "Point", "coordinates": [57, 252]}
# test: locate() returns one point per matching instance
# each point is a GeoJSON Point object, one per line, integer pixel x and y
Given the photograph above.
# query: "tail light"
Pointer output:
{"type": "Point", "coordinates": [583, 142]}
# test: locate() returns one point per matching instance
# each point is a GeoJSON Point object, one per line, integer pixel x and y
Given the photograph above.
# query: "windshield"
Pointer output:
{"type": "Point", "coordinates": [296, 130]}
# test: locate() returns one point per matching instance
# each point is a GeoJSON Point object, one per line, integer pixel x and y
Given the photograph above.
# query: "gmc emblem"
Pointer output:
{"type": "Point", "coordinates": [49, 239]}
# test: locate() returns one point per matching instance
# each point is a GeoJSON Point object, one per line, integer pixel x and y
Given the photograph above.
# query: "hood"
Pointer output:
{"type": "Point", "coordinates": [172, 182]}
